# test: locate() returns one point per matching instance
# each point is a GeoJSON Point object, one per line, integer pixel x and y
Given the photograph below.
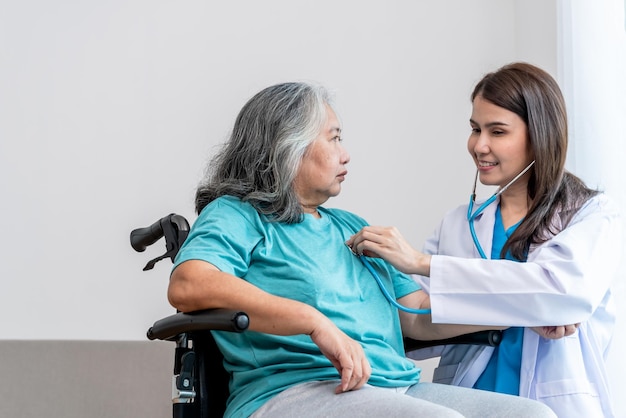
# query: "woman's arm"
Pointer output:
{"type": "Point", "coordinates": [573, 270]}
{"type": "Point", "coordinates": [196, 285]}
{"type": "Point", "coordinates": [421, 327]}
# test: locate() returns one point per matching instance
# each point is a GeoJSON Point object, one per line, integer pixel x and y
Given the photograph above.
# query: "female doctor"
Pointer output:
{"type": "Point", "coordinates": [542, 250]}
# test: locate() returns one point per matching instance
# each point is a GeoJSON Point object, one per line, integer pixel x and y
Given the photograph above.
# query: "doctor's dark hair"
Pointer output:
{"type": "Point", "coordinates": [555, 193]}
{"type": "Point", "coordinates": [260, 160]}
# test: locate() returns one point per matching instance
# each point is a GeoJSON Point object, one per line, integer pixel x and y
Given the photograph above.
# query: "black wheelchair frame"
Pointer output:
{"type": "Point", "coordinates": [200, 382]}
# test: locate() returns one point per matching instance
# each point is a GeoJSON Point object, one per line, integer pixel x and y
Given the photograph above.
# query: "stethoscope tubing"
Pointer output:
{"type": "Point", "coordinates": [470, 218]}
{"type": "Point", "coordinates": [390, 298]}
{"type": "Point", "coordinates": [470, 207]}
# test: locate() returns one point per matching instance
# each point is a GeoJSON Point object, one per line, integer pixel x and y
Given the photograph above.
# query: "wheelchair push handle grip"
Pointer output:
{"type": "Point", "coordinates": [174, 227]}
{"type": "Point", "coordinates": [141, 238]}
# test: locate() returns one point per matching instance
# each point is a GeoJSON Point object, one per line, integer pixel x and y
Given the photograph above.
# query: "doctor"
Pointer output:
{"type": "Point", "coordinates": [543, 250]}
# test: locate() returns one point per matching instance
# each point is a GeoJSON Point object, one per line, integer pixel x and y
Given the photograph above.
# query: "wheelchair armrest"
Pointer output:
{"type": "Point", "coordinates": [491, 338]}
{"type": "Point", "coordinates": [211, 319]}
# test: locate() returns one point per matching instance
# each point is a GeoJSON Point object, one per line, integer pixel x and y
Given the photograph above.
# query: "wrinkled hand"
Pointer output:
{"type": "Point", "coordinates": [556, 332]}
{"type": "Point", "coordinates": [387, 243]}
{"type": "Point", "coordinates": [345, 354]}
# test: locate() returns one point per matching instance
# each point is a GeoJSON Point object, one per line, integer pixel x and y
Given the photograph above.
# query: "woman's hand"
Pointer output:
{"type": "Point", "coordinates": [389, 244]}
{"type": "Point", "coordinates": [556, 332]}
{"type": "Point", "coordinates": [345, 354]}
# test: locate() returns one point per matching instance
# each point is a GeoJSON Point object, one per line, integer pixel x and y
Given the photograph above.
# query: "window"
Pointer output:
{"type": "Point", "coordinates": [592, 74]}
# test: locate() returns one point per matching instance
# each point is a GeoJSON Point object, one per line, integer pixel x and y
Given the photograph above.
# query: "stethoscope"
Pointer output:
{"type": "Point", "coordinates": [383, 289]}
{"type": "Point", "coordinates": [471, 216]}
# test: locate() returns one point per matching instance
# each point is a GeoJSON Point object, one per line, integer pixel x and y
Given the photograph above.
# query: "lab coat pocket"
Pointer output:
{"type": "Point", "coordinates": [570, 397]}
{"type": "Point", "coordinates": [445, 374]}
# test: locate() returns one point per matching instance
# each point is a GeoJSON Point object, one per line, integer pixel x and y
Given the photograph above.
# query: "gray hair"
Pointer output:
{"type": "Point", "coordinates": [259, 162]}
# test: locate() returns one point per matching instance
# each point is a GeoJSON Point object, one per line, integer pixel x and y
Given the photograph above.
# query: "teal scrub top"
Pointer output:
{"type": "Point", "coordinates": [503, 370]}
{"type": "Point", "coordinates": [308, 262]}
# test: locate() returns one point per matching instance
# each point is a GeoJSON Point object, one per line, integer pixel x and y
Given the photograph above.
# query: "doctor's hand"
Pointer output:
{"type": "Point", "coordinates": [556, 332]}
{"type": "Point", "coordinates": [387, 243]}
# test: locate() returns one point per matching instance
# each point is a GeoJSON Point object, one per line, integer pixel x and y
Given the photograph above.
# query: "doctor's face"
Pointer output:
{"type": "Point", "coordinates": [323, 166]}
{"type": "Point", "coordinates": [499, 144]}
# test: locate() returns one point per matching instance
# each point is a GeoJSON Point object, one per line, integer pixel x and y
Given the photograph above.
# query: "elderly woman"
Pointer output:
{"type": "Point", "coordinates": [323, 339]}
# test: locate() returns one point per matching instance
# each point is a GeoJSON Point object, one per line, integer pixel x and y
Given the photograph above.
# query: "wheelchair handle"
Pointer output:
{"type": "Point", "coordinates": [141, 238]}
{"type": "Point", "coordinates": [173, 227]}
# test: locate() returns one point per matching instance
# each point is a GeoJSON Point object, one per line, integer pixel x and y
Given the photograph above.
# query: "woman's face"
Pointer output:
{"type": "Point", "coordinates": [499, 144]}
{"type": "Point", "coordinates": [323, 167]}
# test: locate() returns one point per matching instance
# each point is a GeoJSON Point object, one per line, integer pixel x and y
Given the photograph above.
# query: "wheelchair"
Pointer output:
{"type": "Point", "coordinates": [200, 382]}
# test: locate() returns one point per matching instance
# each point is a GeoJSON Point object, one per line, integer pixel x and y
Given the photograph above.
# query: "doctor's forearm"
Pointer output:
{"type": "Point", "coordinates": [421, 327]}
{"type": "Point", "coordinates": [419, 264]}
{"type": "Point", "coordinates": [424, 329]}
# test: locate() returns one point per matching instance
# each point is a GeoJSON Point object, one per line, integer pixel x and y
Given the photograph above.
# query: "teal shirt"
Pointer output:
{"type": "Point", "coordinates": [308, 262]}
{"type": "Point", "coordinates": [503, 370]}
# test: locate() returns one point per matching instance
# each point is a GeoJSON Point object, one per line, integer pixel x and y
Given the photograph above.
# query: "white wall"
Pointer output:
{"type": "Point", "coordinates": [109, 110]}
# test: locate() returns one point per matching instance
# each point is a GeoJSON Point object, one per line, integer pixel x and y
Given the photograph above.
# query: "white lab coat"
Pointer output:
{"type": "Point", "coordinates": [564, 281]}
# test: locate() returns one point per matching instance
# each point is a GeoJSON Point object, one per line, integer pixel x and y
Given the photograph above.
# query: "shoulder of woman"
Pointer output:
{"type": "Point", "coordinates": [228, 206]}
{"type": "Point", "coordinates": [601, 202]}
